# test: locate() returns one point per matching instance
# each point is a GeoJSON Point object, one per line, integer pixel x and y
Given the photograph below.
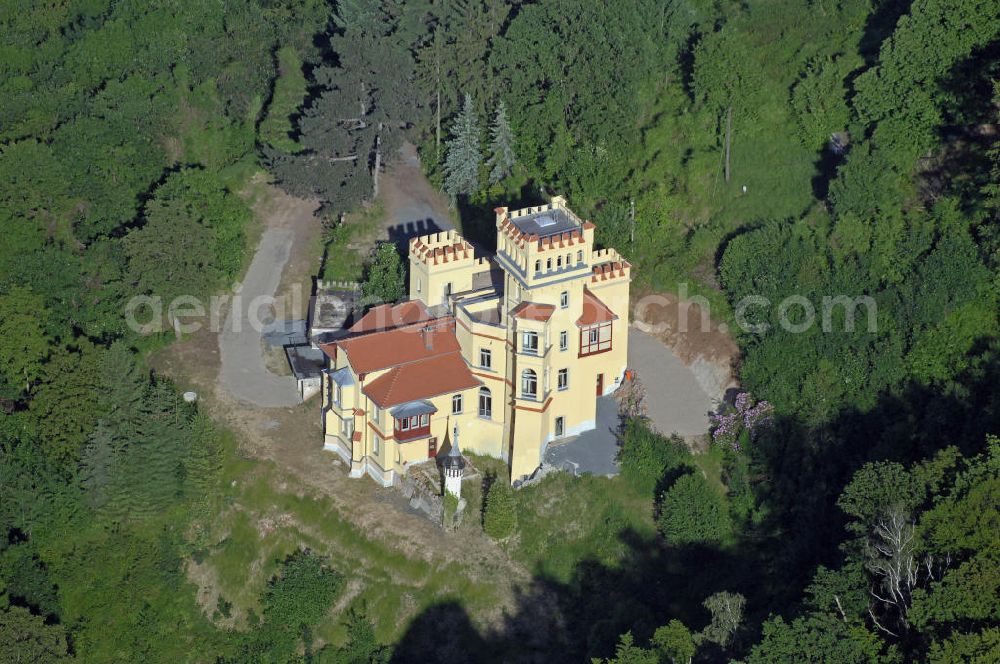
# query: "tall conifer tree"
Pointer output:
{"type": "Point", "coordinates": [501, 146]}
{"type": "Point", "coordinates": [464, 153]}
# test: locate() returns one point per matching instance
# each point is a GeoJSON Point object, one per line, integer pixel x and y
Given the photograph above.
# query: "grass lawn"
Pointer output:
{"type": "Point", "coordinates": [348, 244]}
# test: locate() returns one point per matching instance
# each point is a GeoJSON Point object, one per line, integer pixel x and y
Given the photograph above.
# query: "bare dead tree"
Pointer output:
{"type": "Point", "coordinates": [894, 561]}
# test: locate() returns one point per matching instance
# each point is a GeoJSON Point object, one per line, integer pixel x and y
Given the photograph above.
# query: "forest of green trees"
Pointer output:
{"type": "Point", "coordinates": [803, 147]}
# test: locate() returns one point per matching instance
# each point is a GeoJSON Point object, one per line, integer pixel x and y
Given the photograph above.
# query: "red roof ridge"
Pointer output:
{"type": "Point", "coordinates": [422, 379]}
{"type": "Point", "coordinates": [533, 311]}
{"type": "Point", "coordinates": [594, 310]}
{"type": "Point", "coordinates": [389, 316]}
{"type": "Point", "coordinates": [401, 345]}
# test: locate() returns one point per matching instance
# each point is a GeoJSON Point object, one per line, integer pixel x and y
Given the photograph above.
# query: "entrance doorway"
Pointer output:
{"type": "Point", "coordinates": [432, 448]}
{"type": "Point", "coordinates": [560, 427]}
{"type": "Point", "coordinates": [600, 384]}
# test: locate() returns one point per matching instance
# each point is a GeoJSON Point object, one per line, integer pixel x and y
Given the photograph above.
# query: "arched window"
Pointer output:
{"type": "Point", "coordinates": [548, 263]}
{"type": "Point", "coordinates": [538, 266]}
{"type": "Point", "coordinates": [579, 256]}
{"type": "Point", "coordinates": [559, 262]}
{"type": "Point", "coordinates": [529, 384]}
{"type": "Point", "coordinates": [485, 403]}
{"type": "Point", "coordinates": [569, 259]}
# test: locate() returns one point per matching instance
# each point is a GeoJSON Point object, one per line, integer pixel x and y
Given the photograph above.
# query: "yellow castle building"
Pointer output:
{"type": "Point", "coordinates": [513, 349]}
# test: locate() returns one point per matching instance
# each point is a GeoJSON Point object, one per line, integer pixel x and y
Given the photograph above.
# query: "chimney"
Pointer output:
{"type": "Point", "coordinates": [428, 338]}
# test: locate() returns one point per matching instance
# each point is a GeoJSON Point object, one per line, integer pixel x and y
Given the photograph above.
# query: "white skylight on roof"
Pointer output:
{"type": "Point", "coordinates": [545, 220]}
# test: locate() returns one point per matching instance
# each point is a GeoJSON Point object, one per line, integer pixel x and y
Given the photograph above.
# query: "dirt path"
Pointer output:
{"type": "Point", "coordinates": [287, 223]}
{"type": "Point", "coordinates": [412, 205]}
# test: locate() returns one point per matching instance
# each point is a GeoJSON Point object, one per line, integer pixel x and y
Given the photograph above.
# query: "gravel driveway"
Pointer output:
{"type": "Point", "coordinates": [676, 402]}
{"type": "Point", "coordinates": [243, 373]}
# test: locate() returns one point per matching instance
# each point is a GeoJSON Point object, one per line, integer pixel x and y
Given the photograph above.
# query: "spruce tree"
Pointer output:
{"type": "Point", "coordinates": [502, 158]}
{"type": "Point", "coordinates": [354, 125]}
{"type": "Point", "coordinates": [121, 390]}
{"type": "Point", "coordinates": [154, 465]}
{"type": "Point", "coordinates": [464, 154]}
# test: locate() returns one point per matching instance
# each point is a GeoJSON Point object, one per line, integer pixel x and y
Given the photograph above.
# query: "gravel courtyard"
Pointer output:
{"type": "Point", "coordinates": [676, 404]}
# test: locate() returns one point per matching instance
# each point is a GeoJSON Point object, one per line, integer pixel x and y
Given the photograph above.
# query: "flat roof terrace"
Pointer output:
{"type": "Point", "coordinates": [546, 222]}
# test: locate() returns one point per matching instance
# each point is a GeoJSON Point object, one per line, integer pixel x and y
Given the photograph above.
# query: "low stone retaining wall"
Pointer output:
{"type": "Point", "coordinates": [421, 485]}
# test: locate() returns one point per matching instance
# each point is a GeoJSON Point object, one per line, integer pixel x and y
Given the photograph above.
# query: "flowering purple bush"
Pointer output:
{"type": "Point", "coordinates": [739, 424]}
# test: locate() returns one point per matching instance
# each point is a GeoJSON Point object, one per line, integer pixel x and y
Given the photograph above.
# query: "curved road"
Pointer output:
{"type": "Point", "coordinates": [243, 372]}
{"type": "Point", "coordinates": [412, 207]}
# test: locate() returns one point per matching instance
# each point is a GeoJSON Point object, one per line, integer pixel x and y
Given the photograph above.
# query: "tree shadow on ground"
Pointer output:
{"type": "Point", "coordinates": [401, 233]}
{"type": "Point", "coordinates": [804, 469]}
{"type": "Point", "coordinates": [800, 471]}
{"type": "Point", "coordinates": [555, 621]}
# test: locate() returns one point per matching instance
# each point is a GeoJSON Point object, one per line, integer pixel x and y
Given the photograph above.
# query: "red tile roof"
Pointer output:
{"type": "Point", "coordinates": [387, 316]}
{"type": "Point", "coordinates": [390, 348]}
{"type": "Point", "coordinates": [421, 380]}
{"type": "Point", "coordinates": [594, 311]}
{"type": "Point", "coordinates": [533, 311]}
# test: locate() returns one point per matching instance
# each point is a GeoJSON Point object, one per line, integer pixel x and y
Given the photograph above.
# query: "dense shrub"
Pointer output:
{"type": "Point", "coordinates": [500, 515]}
{"type": "Point", "coordinates": [362, 645]}
{"type": "Point", "coordinates": [302, 592]}
{"type": "Point", "coordinates": [296, 598]}
{"type": "Point", "coordinates": [692, 512]}
{"type": "Point", "coordinates": [646, 457]}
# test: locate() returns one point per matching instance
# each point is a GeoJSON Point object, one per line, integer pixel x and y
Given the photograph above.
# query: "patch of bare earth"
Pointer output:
{"type": "Point", "coordinates": [407, 201]}
{"type": "Point", "coordinates": [703, 345]}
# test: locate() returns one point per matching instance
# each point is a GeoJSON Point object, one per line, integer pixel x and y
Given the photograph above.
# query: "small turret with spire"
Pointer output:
{"type": "Point", "coordinates": [454, 466]}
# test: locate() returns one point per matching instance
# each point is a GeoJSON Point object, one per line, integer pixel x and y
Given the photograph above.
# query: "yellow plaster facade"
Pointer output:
{"type": "Point", "coordinates": [542, 327]}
